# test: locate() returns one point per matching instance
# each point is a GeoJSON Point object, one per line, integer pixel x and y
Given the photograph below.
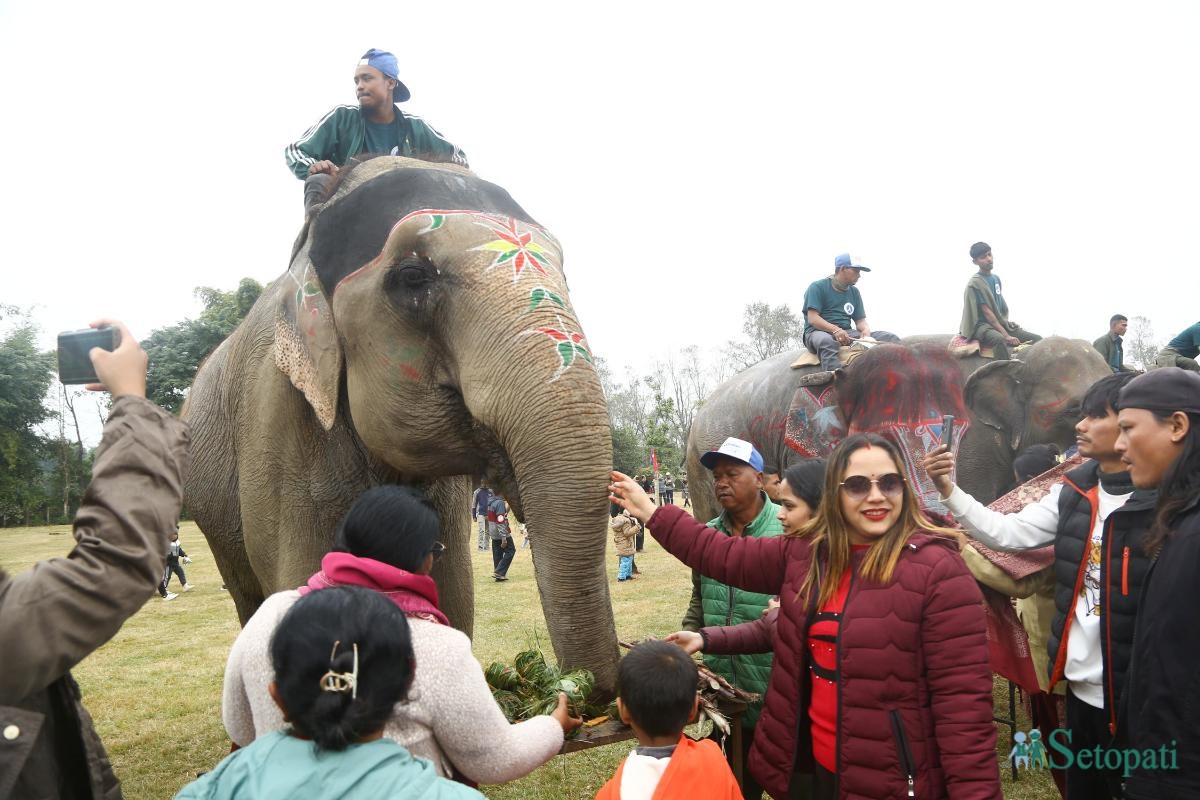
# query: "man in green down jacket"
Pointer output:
{"type": "Point", "coordinates": [376, 125]}
{"type": "Point", "coordinates": [738, 482]}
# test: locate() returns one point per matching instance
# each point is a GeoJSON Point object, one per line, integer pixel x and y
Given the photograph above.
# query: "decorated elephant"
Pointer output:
{"type": "Point", "coordinates": [905, 389]}
{"type": "Point", "coordinates": [423, 332]}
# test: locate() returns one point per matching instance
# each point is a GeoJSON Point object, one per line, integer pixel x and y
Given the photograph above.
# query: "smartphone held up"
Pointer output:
{"type": "Point", "coordinates": [74, 363]}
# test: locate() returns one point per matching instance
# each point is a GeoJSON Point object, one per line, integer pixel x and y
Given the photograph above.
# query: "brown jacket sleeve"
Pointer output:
{"type": "Point", "coordinates": [62, 609]}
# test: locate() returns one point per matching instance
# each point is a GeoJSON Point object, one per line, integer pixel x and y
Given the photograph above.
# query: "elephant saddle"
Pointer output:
{"type": "Point", "coordinates": [846, 354]}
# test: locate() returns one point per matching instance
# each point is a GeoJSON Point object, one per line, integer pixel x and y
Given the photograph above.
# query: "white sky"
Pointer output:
{"type": "Point", "coordinates": [692, 157]}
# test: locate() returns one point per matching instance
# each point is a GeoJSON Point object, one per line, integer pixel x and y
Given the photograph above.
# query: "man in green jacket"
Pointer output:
{"type": "Point", "coordinates": [738, 482]}
{"type": "Point", "coordinates": [375, 126]}
{"type": "Point", "coordinates": [985, 311]}
{"type": "Point", "coordinates": [1111, 345]}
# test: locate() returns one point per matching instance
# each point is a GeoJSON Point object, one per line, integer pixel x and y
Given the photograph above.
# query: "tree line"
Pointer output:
{"type": "Point", "coordinates": [44, 465]}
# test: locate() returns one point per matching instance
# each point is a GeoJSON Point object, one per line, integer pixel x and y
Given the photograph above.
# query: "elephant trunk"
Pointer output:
{"type": "Point", "coordinates": [560, 463]}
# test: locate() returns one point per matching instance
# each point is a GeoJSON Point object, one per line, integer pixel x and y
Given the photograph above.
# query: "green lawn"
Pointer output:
{"type": "Point", "coordinates": [155, 689]}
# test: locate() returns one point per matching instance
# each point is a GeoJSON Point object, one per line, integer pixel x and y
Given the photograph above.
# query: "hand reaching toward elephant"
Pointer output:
{"type": "Point", "coordinates": [690, 641]}
{"type": "Point", "coordinates": [563, 717]}
{"type": "Point", "coordinates": [939, 466]}
{"type": "Point", "coordinates": [628, 495]}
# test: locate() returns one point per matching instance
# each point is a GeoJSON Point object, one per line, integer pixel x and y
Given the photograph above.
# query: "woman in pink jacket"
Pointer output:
{"type": "Point", "coordinates": [881, 686]}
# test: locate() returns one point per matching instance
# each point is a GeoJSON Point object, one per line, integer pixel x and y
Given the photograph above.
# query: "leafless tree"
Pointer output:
{"type": "Point", "coordinates": [1140, 346]}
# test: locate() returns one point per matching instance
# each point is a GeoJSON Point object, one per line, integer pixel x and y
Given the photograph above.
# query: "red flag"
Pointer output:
{"type": "Point", "coordinates": [654, 459]}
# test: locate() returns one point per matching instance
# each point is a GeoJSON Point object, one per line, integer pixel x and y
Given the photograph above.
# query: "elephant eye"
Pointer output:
{"type": "Point", "coordinates": [410, 274]}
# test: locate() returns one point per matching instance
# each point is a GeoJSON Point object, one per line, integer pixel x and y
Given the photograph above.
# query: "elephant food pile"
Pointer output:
{"type": "Point", "coordinates": [530, 688]}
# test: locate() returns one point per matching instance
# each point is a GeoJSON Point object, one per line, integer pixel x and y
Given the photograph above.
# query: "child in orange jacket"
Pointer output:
{"type": "Point", "coordinates": [657, 698]}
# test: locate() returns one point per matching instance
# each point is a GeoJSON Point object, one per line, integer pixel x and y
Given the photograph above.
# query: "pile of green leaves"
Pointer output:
{"type": "Point", "coordinates": [530, 688]}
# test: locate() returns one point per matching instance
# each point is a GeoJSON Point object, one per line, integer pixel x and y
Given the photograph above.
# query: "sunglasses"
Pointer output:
{"type": "Point", "coordinates": [438, 549]}
{"type": "Point", "coordinates": [857, 487]}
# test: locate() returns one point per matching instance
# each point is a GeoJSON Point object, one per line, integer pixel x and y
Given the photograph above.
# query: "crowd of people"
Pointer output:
{"type": "Point", "coordinates": [831, 593]}
{"type": "Point", "coordinates": [881, 680]}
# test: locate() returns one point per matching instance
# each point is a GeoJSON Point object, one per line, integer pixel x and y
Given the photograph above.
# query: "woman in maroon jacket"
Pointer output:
{"type": "Point", "coordinates": [881, 686]}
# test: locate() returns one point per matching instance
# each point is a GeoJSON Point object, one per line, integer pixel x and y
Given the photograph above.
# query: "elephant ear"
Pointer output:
{"type": "Point", "coordinates": [306, 341]}
{"type": "Point", "coordinates": [997, 398]}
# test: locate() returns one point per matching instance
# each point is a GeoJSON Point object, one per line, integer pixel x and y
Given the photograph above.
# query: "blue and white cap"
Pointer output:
{"type": "Point", "coordinates": [847, 260]}
{"type": "Point", "coordinates": [739, 449]}
{"type": "Point", "coordinates": [385, 62]}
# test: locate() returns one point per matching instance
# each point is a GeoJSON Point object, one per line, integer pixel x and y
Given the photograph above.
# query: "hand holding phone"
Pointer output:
{"type": "Point", "coordinates": [120, 371]}
{"type": "Point", "coordinates": [74, 362]}
{"type": "Point", "coordinates": [948, 431]}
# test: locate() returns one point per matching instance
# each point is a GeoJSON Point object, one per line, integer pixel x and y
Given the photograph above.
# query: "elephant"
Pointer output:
{"type": "Point", "coordinates": [1004, 407]}
{"type": "Point", "coordinates": [422, 333]}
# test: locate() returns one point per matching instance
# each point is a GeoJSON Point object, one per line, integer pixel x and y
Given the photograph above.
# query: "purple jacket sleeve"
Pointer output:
{"type": "Point", "coordinates": [954, 645]}
{"type": "Point", "coordinates": [756, 565]}
{"type": "Point", "coordinates": [755, 636]}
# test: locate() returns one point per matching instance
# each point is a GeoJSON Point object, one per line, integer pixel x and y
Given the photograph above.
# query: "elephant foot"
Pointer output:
{"type": "Point", "coordinates": [819, 378]}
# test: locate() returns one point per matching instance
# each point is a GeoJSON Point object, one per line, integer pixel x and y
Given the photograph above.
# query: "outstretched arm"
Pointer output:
{"type": "Point", "coordinates": [78, 602]}
{"type": "Point", "coordinates": [1036, 525]}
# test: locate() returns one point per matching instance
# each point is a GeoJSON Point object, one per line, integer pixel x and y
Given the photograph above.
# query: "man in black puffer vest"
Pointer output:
{"type": "Point", "coordinates": [1096, 521]}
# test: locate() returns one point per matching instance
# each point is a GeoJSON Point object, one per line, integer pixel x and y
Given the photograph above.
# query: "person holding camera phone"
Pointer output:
{"type": "Point", "coordinates": [56, 613]}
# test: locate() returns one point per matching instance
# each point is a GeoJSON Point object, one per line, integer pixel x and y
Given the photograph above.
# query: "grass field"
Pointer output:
{"type": "Point", "coordinates": [155, 689]}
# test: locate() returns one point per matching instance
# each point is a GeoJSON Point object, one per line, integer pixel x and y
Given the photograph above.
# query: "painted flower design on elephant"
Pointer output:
{"type": "Point", "coordinates": [568, 344]}
{"type": "Point", "coordinates": [514, 247]}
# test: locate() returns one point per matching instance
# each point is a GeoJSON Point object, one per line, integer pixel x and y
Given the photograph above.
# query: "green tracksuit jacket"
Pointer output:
{"type": "Point", "coordinates": [342, 133]}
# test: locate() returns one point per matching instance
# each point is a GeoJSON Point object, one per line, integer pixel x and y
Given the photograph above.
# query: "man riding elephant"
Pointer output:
{"type": "Point", "coordinates": [831, 304]}
{"type": "Point", "coordinates": [985, 311]}
{"type": "Point", "coordinates": [412, 346]}
{"type": "Point", "coordinates": [376, 126]}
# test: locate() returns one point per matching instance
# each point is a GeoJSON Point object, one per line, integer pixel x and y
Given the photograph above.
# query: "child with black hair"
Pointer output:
{"type": "Point", "coordinates": [343, 658]}
{"type": "Point", "coordinates": [657, 698]}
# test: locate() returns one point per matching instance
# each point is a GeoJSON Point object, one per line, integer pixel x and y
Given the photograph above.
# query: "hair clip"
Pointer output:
{"type": "Point", "coordinates": [341, 682]}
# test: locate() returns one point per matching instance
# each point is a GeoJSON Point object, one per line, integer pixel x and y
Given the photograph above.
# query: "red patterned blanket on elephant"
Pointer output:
{"type": "Point", "coordinates": [1008, 644]}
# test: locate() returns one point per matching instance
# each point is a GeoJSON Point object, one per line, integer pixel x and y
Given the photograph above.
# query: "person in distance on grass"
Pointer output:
{"type": "Point", "coordinates": [343, 658]}
{"type": "Point", "coordinates": [388, 542]}
{"type": "Point", "coordinates": [175, 555]}
{"type": "Point", "coordinates": [625, 529]}
{"type": "Point", "coordinates": [1160, 442]}
{"type": "Point", "coordinates": [55, 614]}
{"type": "Point", "coordinates": [657, 698]}
{"type": "Point", "coordinates": [881, 684]}
{"type": "Point", "coordinates": [500, 528]}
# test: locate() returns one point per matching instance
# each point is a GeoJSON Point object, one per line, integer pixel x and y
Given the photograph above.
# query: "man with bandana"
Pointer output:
{"type": "Point", "coordinates": [985, 311]}
{"type": "Point", "coordinates": [375, 126]}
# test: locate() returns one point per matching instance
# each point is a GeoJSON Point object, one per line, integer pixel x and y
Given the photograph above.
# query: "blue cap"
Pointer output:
{"type": "Point", "coordinates": [738, 449]}
{"type": "Point", "coordinates": [385, 62]}
{"type": "Point", "coordinates": [847, 260]}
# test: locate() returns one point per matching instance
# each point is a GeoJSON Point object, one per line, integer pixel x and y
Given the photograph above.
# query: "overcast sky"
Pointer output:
{"type": "Point", "coordinates": [691, 157]}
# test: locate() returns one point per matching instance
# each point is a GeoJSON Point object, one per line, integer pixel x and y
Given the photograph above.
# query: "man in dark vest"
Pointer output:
{"type": "Point", "coordinates": [1096, 520]}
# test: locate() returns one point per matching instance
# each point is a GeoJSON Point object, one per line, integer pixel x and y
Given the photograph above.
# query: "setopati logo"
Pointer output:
{"type": "Point", "coordinates": [1031, 752]}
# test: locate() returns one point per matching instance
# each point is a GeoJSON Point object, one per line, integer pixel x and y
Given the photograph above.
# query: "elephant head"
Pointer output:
{"type": "Point", "coordinates": [429, 308]}
{"type": "Point", "coordinates": [1031, 400]}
